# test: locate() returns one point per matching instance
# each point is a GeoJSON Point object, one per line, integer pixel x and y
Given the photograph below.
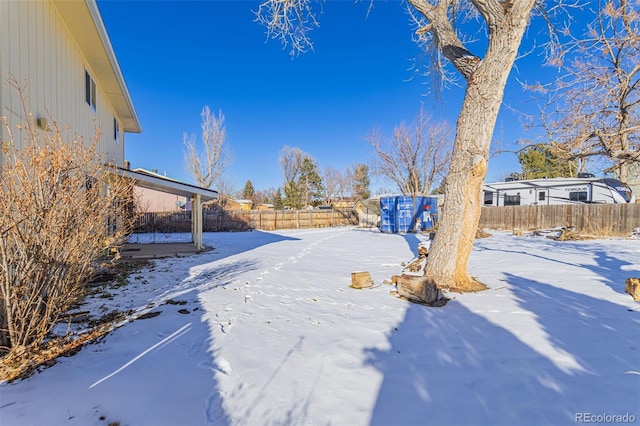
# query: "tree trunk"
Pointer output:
{"type": "Point", "coordinates": [451, 248]}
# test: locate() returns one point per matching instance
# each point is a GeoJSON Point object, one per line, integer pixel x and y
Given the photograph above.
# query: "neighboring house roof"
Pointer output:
{"type": "Point", "coordinates": [370, 206]}
{"type": "Point", "coordinates": [85, 24]}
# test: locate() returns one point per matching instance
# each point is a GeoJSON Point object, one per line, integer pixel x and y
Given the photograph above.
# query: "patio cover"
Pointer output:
{"type": "Point", "coordinates": [198, 195]}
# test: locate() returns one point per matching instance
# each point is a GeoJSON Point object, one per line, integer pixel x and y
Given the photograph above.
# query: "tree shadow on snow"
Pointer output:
{"type": "Point", "coordinates": [608, 267]}
{"type": "Point", "coordinates": [451, 366]}
{"type": "Point", "coordinates": [230, 243]}
{"type": "Point", "coordinates": [174, 367]}
{"type": "Point", "coordinates": [611, 269]}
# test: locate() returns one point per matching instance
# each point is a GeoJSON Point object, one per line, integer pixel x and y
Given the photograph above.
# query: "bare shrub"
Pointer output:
{"type": "Point", "coordinates": [61, 208]}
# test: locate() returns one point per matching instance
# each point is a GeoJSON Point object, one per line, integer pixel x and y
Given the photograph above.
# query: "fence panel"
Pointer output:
{"type": "Point", "coordinates": [242, 220]}
{"type": "Point", "coordinates": [611, 219]}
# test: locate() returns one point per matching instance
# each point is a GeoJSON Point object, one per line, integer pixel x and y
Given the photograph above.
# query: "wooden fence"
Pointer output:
{"type": "Point", "coordinates": [598, 219]}
{"type": "Point", "coordinates": [242, 220]}
{"type": "Point", "coordinates": [288, 219]}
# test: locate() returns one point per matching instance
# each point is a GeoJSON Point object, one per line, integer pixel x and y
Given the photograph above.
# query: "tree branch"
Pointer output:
{"type": "Point", "coordinates": [445, 36]}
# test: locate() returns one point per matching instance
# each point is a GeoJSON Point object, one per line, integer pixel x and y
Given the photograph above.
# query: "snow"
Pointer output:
{"type": "Point", "coordinates": [273, 335]}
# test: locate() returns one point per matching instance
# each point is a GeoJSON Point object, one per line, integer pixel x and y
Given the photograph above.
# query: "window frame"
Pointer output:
{"type": "Point", "coordinates": [512, 200]}
{"type": "Point", "coordinates": [579, 196]}
{"type": "Point", "coordinates": [487, 198]}
{"type": "Point", "coordinates": [89, 90]}
{"type": "Point", "coordinates": [116, 130]}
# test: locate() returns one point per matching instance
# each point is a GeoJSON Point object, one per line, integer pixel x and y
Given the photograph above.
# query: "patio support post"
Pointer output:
{"type": "Point", "coordinates": [196, 221]}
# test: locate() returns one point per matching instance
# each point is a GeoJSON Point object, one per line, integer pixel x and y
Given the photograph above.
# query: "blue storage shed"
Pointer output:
{"type": "Point", "coordinates": [388, 213]}
{"type": "Point", "coordinates": [407, 214]}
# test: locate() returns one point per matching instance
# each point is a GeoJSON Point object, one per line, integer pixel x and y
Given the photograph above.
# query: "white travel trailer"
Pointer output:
{"type": "Point", "coordinates": [556, 191]}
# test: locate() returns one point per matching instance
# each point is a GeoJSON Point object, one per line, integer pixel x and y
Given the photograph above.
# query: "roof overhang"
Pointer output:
{"type": "Point", "coordinates": [85, 24]}
{"type": "Point", "coordinates": [164, 184]}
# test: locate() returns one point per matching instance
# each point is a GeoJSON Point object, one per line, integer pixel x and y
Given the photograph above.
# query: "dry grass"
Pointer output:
{"type": "Point", "coordinates": [22, 362]}
{"type": "Point", "coordinates": [481, 233]}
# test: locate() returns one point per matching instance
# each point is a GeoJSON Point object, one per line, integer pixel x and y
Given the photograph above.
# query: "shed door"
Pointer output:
{"type": "Point", "coordinates": [542, 196]}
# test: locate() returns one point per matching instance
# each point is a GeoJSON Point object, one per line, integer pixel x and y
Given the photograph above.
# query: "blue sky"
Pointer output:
{"type": "Point", "coordinates": [177, 57]}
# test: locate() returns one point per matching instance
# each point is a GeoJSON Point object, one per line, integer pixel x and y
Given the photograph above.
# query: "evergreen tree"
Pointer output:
{"type": "Point", "coordinates": [309, 182]}
{"type": "Point", "coordinates": [292, 195]}
{"type": "Point", "coordinates": [440, 189]}
{"type": "Point", "coordinates": [540, 161]}
{"type": "Point", "coordinates": [248, 192]}
{"type": "Point", "coordinates": [277, 201]}
{"type": "Point", "coordinates": [361, 182]}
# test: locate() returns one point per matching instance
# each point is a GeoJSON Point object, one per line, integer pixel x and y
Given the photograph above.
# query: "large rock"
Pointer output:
{"type": "Point", "coordinates": [418, 289]}
{"type": "Point", "coordinates": [632, 286]}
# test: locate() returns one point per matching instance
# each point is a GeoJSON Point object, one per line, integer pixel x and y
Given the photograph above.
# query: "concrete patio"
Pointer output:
{"type": "Point", "coordinates": [159, 250]}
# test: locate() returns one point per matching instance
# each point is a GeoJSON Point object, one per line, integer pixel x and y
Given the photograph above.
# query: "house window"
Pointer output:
{"type": "Point", "coordinates": [89, 90]}
{"type": "Point", "coordinates": [488, 197]}
{"type": "Point", "coordinates": [512, 200]}
{"type": "Point", "coordinates": [580, 196]}
{"type": "Point", "coordinates": [116, 130]}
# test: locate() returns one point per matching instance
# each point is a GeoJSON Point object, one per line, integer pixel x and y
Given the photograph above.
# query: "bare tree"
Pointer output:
{"type": "Point", "coordinates": [414, 158]}
{"type": "Point", "coordinates": [334, 184]}
{"type": "Point", "coordinates": [593, 108]}
{"type": "Point", "coordinates": [226, 188]}
{"type": "Point", "coordinates": [296, 186]}
{"type": "Point", "coordinates": [291, 21]}
{"type": "Point", "coordinates": [291, 159]}
{"type": "Point", "coordinates": [504, 25]}
{"type": "Point", "coordinates": [207, 166]}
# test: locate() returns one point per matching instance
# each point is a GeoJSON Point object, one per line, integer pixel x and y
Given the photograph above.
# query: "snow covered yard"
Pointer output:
{"type": "Point", "coordinates": [265, 330]}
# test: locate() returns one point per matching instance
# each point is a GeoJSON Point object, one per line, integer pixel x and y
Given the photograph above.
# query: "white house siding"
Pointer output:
{"type": "Point", "coordinates": [37, 48]}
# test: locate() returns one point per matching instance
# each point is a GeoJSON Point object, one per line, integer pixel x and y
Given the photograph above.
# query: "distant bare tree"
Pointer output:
{"type": "Point", "coordinates": [291, 159]}
{"type": "Point", "coordinates": [414, 158]}
{"type": "Point", "coordinates": [206, 166]}
{"type": "Point", "coordinates": [334, 183]}
{"type": "Point", "coordinates": [593, 109]}
{"type": "Point", "coordinates": [226, 188]}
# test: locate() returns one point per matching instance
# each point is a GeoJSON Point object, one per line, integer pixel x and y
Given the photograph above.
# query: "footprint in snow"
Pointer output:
{"type": "Point", "coordinates": [214, 409]}
{"type": "Point", "coordinates": [196, 348]}
{"type": "Point", "coordinates": [225, 327]}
